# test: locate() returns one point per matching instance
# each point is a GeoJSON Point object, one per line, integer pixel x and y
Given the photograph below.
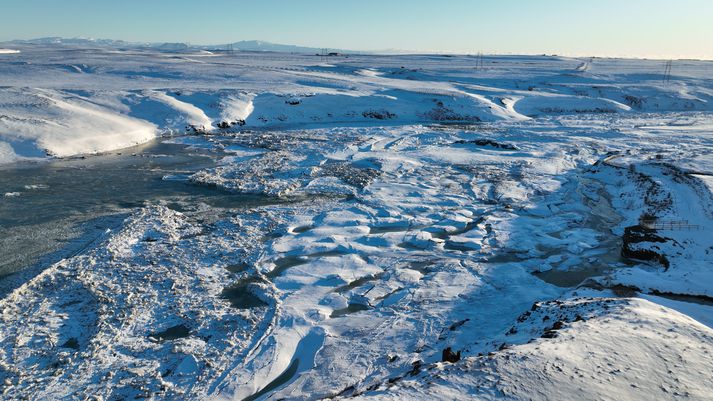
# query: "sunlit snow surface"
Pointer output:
{"type": "Point", "coordinates": [415, 203]}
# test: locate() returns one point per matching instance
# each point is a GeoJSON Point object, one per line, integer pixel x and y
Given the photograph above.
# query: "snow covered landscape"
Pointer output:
{"type": "Point", "coordinates": [257, 225]}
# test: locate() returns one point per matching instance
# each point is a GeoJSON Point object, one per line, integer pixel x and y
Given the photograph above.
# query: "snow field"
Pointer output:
{"type": "Point", "coordinates": [418, 205]}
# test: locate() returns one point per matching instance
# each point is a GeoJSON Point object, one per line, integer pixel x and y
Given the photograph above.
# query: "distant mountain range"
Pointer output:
{"type": "Point", "coordinates": [77, 42]}
{"type": "Point", "coordinates": [261, 46]}
{"type": "Point", "coordinates": [245, 45]}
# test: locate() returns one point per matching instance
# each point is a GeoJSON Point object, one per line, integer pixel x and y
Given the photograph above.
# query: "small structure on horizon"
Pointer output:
{"type": "Point", "coordinates": [326, 54]}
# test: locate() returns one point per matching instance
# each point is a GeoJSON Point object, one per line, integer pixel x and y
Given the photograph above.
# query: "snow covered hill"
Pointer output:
{"type": "Point", "coordinates": [129, 96]}
{"type": "Point", "coordinates": [619, 357]}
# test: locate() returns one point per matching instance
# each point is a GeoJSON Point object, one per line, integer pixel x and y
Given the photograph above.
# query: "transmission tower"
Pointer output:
{"type": "Point", "coordinates": [667, 72]}
{"type": "Point", "coordinates": [479, 61]}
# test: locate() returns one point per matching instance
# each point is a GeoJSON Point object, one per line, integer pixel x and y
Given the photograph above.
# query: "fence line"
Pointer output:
{"type": "Point", "coordinates": [669, 225]}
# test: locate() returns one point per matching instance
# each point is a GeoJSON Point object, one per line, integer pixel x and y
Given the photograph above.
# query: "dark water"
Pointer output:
{"type": "Point", "coordinates": [66, 204]}
{"type": "Point", "coordinates": [172, 333]}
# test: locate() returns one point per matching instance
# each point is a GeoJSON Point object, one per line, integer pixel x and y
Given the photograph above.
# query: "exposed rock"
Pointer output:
{"type": "Point", "coordinates": [487, 142]}
{"type": "Point", "coordinates": [637, 241]}
{"type": "Point", "coordinates": [450, 356]}
{"type": "Point", "coordinates": [379, 114]}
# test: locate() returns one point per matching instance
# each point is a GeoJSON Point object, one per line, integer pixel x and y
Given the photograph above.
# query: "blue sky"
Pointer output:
{"type": "Point", "coordinates": [641, 28]}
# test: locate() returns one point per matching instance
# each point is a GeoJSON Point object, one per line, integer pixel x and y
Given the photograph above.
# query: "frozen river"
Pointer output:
{"type": "Point", "coordinates": [65, 204]}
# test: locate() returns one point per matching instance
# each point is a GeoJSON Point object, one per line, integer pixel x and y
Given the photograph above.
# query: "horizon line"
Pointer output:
{"type": "Point", "coordinates": [393, 51]}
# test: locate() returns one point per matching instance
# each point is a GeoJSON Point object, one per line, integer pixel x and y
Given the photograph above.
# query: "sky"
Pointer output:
{"type": "Point", "coordinates": [628, 28]}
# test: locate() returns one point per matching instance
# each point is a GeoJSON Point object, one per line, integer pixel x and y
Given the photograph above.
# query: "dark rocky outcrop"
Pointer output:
{"type": "Point", "coordinates": [487, 142]}
{"type": "Point", "coordinates": [379, 114]}
{"type": "Point", "coordinates": [450, 356]}
{"type": "Point", "coordinates": [638, 244]}
{"type": "Point", "coordinates": [224, 125]}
